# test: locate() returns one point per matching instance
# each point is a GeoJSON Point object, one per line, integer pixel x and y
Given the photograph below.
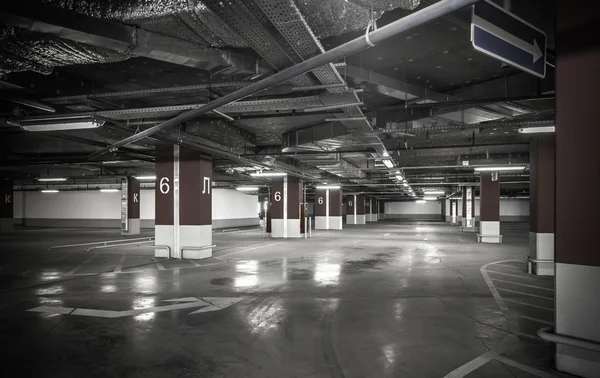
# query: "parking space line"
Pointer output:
{"type": "Point", "coordinates": [537, 320]}
{"type": "Point", "coordinates": [119, 266]}
{"type": "Point", "coordinates": [523, 293]}
{"type": "Point", "coordinates": [507, 265]}
{"type": "Point", "coordinates": [82, 264]}
{"type": "Point", "coordinates": [515, 275]}
{"type": "Point", "coordinates": [158, 264]}
{"type": "Point", "coordinates": [520, 284]}
{"type": "Point", "coordinates": [520, 366]}
{"type": "Point", "coordinates": [249, 249]}
{"type": "Point", "coordinates": [469, 367]}
{"type": "Point", "coordinates": [529, 304]}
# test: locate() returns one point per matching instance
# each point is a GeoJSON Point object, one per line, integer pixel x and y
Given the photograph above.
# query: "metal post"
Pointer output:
{"type": "Point", "coordinates": [305, 226]}
{"type": "Point", "coordinates": [432, 12]}
{"type": "Point", "coordinates": [310, 227]}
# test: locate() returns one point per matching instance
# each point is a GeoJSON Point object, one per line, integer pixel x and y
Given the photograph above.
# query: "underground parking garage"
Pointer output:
{"type": "Point", "coordinates": [293, 188]}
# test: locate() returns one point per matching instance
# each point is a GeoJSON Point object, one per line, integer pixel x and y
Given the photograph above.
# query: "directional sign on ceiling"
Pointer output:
{"type": "Point", "coordinates": [502, 35]}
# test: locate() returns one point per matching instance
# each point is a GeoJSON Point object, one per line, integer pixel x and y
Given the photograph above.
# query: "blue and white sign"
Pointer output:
{"type": "Point", "coordinates": [504, 36]}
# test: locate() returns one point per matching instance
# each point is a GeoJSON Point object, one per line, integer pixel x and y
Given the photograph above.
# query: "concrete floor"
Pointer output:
{"type": "Point", "coordinates": [387, 299]}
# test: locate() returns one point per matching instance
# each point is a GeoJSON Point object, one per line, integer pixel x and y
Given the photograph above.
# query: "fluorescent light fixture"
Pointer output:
{"type": "Point", "coordinates": [399, 177]}
{"type": "Point", "coordinates": [61, 124]}
{"type": "Point", "coordinates": [49, 191]}
{"type": "Point", "coordinates": [145, 178]}
{"type": "Point", "coordinates": [112, 162]}
{"type": "Point", "coordinates": [420, 201]}
{"type": "Point", "coordinates": [430, 198]}
{"type": "Point", "coordinates": [52, 179]}
{"type": "Point", "coordinates": [432, 178]}
{"type": "Point", "coordinates": [268, 174]}
{"type": "Point", "coordinates": [537, 130]}
{"type": "Point", "coordinates": [327, 187]}
{"type": "Point", "coordinates": [388, 163]}
{"type": "Point", "coordinates": [500, 168]}
{"type": "Point", "coordinates": [247, 188]}
{"type": "Point", "coordinates": [435, 192]}
{"type": "Point", "coordinates": [109, 190]}
{"type": "Point", "coordinates": [405, 184]}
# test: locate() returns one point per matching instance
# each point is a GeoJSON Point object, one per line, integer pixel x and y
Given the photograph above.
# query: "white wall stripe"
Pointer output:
{"type": "Point", "coordinates": [176, 249]}
{"type": "Point", "coordinates": [523, 293]}
{"type": "Point", "coordinates": [520, 284]}
{"type": "Point", "coordinates": [528, 304]}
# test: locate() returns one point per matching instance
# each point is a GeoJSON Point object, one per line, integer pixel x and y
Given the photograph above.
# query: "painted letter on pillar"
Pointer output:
{"type": "Point", "coordinates": [6, 206]}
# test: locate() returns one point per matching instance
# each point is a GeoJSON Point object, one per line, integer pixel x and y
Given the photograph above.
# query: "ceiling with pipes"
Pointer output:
{"type": "Point", "coordinates": [416, 112]}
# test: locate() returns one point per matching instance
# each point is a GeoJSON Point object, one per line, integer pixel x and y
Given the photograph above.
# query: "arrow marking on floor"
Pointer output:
{"type": "Point", "coordinates": [207, 304]}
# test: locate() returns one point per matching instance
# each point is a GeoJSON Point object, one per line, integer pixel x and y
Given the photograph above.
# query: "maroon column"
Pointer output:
{"type": "Point", "coordinates": [541, 204]}
{"type": "Point", "coordinates": [351, 209]}
{"type": "Point", "coordinates": [183, 202]}
{"type": "Point", "coordinates": [380, 210]}
{"type": "Point", "coordinates": [368, 209]}
{"type": "Point", "coordinates": [468, 209]}
{"type": "Point", "coordinates": [360, 209]}
{"type": "Point", "coordinates": [489, 224]}
{"type": "Point", "coordinates": [131, 193]}
{"type": "Point", "coordinates": [577, 184]}
{"type": "Point", "coordinates": [286, 194]}
{"type": "Point", "coordinates": [6, 206]}
{"type": "Point", "coordinates": [335, 209]}
{"type": "Point", "coordinates": [321, 209]}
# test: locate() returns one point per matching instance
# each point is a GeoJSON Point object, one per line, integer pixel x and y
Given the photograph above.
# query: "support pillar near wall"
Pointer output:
{"type": "Point", "coordinates": [489, 226]}
{"type": "Point", "coordinates": [370, 211]}
{"type": "Point", "coordinates": [577, 308]}
{"type": "Point", "coordinates": [541, 204]}
{"type": "Point", "coordinates": [130, 193]}
{"type": "Point", "coordinates": [286, 196]}
{"type": "Point", "coordinates": [321, 209]}
{"type": "Point", "coordinates": [6, 206]}
{"type": "Point", "coordinates": [381, 210]}
{"type": "Point", "coordinates": [183, 203]}
{"type": "Point", "coordinates": [454, 212]}
{"type": "Point", "coordinates": [468, 210]}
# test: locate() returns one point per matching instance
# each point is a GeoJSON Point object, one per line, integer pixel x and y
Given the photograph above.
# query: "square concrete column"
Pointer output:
{"type": "Point", "coordinates": [454, 212]}
{"type": "Point", "coordinates": [7, 221]}
{"type": "Point", "coordinates": [360, 209]}
{"type": "Point", "coordinates": [468, 210]}
{"type": "Point", "coordinates": [489, 225]}
{"type": "Point", "coordinates": [335, 208]}
{"type": "Point", "coordinates": [577, 185]}
{"type": "Point", "coordinates": [351, 209]}
{"type": "Point", "coordinates": [183, 203]}
{"type": "Point", "coordinates": [370, 210]}
{"type": "Point", "coordinates": [380, 210]}
{"type": "Point", "coordinates": [321, 209]}
{"type": "Point", "coordinates": [130, 194]}
{"type": "Point", "coordinates": [286, 195]}
{"type": "Point", "coordinates": [541, 204]}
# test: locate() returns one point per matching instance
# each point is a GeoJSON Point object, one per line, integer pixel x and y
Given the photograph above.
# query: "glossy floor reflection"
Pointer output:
{"type": "Point", "coordinates": [389, 299]}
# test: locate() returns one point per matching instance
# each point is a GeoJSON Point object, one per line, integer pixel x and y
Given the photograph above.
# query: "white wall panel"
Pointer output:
{"type": "Point", "coordinates": [411, 207]}
{"type": "Point", "coordinates": [73, 205]}
{"type": "Point", "coordinates": [147, 204]}
{"type": "Point", "coordinates": [233, 204]}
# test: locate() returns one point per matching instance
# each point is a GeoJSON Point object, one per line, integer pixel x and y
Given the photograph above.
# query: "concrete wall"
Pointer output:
{"type": "Point", "coordinates": [430, 210]}
{"type": "Point", "coordinates": [230, 208]}
{"type": "Point", "coordinates": [511, 210]}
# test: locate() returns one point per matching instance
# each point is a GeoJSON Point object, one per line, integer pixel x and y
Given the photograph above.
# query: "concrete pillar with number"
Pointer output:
{"type": "Point", "coordinates": [468, 209]}
{"type": "Point", "coordinates": [130, 204]}
{"type": "Point", "coordinates": [286, 197]}
{"type": "Point", "coordinates": [541, 204]}
{"type": "Point", "coordinates": [380, 210]}
{"type": "Point", "coordinates": [6, 206]}
{"type": "Point", "coordinates": [454, 211]}
{"type": "Point", "coordinates": [183, 203]}
{"type": "Point", "coordinates": [489, 225]}
{"type": "Point", "coordinates": [351, 209]}
{"type": "Point", "coordinates": [321, 209]}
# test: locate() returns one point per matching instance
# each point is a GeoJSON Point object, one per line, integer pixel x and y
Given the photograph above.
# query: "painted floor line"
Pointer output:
{"type": "Point", "coordinates": [119, 266]}
{"type": "Point", "coordinates": [516, 275]}
{"type": "Point", "coordinates": [523, 293]}
{"type": "Point", "coordinates": [528, 369]}
{"type": "Point", "coordinates": [469, 367]}
{"type": "Point", "coordinates": [507, 265]}
{"type": "Point", "coordinates": [158, 264]}
{"type": "Point", "coordinates": [537, 320]}
{"type": "Point", "coordinates": [493, 289]}
{"type": "Point", "coordinates": [82, 264]}
{"type": "Point", "coordinates": [249, 249]}
{"type": "Point", "coordinates": [520, 284]}
{"type": "Point", "coordinates": [528, 304]}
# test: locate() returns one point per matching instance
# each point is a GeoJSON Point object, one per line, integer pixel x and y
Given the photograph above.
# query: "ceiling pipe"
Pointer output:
{"type": "Point", "coordinates": [402, 25]}
{"type": "Point", "coordinates": [449, 166]}
{"type": "Point", "coordinates": [482, 101]}
{"type": "Point", "coordinates": [26, 101]}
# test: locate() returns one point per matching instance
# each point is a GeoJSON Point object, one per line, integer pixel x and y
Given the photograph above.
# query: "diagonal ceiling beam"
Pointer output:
{"type": "Point", "coordinates": [125, 39]}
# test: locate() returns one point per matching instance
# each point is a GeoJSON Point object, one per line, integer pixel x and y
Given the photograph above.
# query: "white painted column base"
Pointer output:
{"type": "Point", "coordinates": [381, 216]}
{"type": "Point", "coordinates": [7, 225]}
{"type": "Point", "coordinates": [361, 219]}
{"type": "Point", "coordinates": [335, 223]}
{"type": "Point", "coordinates": [320, 222]}
{"type": "Point", "coordinates": [371, 217]}
{"type": "Point", "coordinates": [541, 248]}
{"type": "Point", "coordinates": [134, 227]}
{"type": "Point", "coordinates": [577, 313]}
{"type": "Point", "coordinates": [190, 237]}
{"type": "Point", "coordinates": [464, 227]}
{"type": "Point", "coordinates": [293, 228]}
{"type": "Point", "coordinates": [490, 232]}
{"type": "Point", "coordinates": [350, 219]}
